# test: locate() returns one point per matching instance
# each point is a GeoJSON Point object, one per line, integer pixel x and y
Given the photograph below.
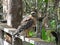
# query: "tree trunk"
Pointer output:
{"type": "Point", "coordinates": [14, 12]}
{"type": "Point", "coordinates": [56, 4]}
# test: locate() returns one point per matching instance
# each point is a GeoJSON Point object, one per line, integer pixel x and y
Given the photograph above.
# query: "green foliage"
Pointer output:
{"type": "Point", "coordinates": [53, 24]}
{"type": "Point", "coordinates": [47, 36]}
{"type": "Point", "coordinates": [34, 3]}
{"type": "Point", "coordinates": [31, 44]}
{"type": "Point", "coordinates": [46, 1]}
{"type": "Point", "coordinates": [40, 4]}
{"type": "Point", "coordinates": [44, 36]}
{"type": "Point", "coordinates": [50, 38]}
{"type": "Point", "coordinates": [31, 33]}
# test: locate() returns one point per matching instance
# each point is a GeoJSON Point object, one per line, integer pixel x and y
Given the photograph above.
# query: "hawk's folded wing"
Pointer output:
{"type": "Point", "coordinates": [25, 25]}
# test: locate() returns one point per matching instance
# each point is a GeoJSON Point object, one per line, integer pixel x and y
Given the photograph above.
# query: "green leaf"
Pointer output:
{"type": "Point", "coordinates": [31, 44]}
{"type": "Point", "coordinates": [44, 37]}
{"type": "Point", "coordinates": [46, 1]}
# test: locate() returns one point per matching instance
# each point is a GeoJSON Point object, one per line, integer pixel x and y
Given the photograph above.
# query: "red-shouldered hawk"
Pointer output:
{"type": "Point", "coordinates": [27, 23]}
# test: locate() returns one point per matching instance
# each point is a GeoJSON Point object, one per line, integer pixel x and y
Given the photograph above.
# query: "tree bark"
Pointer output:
{"type": "Point", "coordinates": [14, 12]}
{"type": "Point", "coordinates": [56, 4]}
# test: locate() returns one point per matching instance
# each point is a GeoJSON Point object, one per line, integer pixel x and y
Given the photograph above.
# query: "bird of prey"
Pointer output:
{"type": "Point", "coordinates": [26, 23]}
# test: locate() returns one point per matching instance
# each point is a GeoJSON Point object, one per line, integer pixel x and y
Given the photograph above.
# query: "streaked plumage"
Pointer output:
{"type": "Point", "coordinates": [26, 23]}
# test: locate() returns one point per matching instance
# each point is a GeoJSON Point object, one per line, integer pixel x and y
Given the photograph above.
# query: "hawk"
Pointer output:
{"type": "Point", "coordinates": [27, 23]}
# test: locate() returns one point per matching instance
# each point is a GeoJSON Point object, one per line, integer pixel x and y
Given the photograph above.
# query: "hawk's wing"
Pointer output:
{"type": "Point", "coordinates": [25, 19]}
{"type": "Point", "coordinates": [25, 25]}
